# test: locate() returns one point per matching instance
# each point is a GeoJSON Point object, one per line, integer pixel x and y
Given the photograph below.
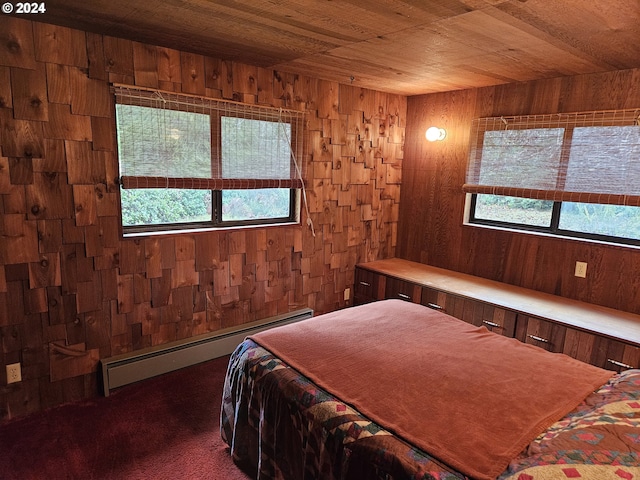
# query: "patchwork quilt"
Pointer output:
{"type": "Point", "coordinates": [279, 425]}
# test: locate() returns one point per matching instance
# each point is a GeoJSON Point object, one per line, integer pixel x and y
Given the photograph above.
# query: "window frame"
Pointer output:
{"type": "Point", "coordinates": [219, 224]}
{"type": "Point", "coordinates": [581, 193]}
{"type": "Point", "coordinates": [215, 222]}
{"type": "Point", "coordinates": [553, 229]}
{"type": "Point", "coordinates": [292, 218]}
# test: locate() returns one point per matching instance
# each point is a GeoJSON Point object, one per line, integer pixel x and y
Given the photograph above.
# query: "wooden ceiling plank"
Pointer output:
{"type": "Point", "coordinates": [596, 30]}
{"type": "Point", "coordinates": [399, 46]}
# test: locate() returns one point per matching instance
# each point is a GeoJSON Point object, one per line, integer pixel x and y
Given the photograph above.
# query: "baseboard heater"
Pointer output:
{"type": "Point", "coordinates": [132, 367]}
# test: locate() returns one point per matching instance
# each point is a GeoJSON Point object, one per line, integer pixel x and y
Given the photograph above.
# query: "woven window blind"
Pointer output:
{"type": "Point", "coordinates": [169, 140]}
{"type": "Point", "coordinates": [591, 157]}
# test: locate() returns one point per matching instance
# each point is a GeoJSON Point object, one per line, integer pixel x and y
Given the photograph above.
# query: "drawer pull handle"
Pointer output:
{"type": "Point", "coordinates": [404, 295]}
{"type": "Point", "coordinates": [538, 339]}
{"type": "Point", "coordinates": [435, 306]}
{"type": "Point", "coordinates": [491, 324]}
{"type": "Point", "coordinates": [618, 364]}
{"type": "Point", "coordinates": [365, 284]}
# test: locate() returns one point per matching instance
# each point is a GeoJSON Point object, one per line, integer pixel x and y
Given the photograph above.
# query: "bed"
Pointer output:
{"type": "Point", "coordinates": [393, 390]}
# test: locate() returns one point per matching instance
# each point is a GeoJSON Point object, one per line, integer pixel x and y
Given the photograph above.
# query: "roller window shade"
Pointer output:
{"type": "Point", "coordinates": [168, 140]}
{"type": "Point", "coordinates": [591, 157]}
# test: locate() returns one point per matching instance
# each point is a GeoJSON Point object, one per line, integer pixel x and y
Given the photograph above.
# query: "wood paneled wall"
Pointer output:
{"type": "Point", "coordinates": [72, 291]}
{"type": "Point", "coordinates": [431, 227]}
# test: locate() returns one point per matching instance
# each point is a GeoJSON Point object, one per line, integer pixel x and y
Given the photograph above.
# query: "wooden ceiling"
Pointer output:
{"type": "Point", "coordinates": [399, 46]}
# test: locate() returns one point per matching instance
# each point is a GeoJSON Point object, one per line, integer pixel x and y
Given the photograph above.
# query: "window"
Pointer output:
{"type": "Point", "coordinates": [192, 163]}
{"type": "Point", "coordinates": [575, 175]}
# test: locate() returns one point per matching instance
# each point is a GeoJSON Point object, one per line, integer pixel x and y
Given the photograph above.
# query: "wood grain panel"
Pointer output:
{"type": "Point", "coordinates": [145, 65]}
{"type": "Point", "coordinates": [58, 83]}
{"type": "Point", "coordinates": [431, 193]}
{"type": "Point", "coordinates": [118, 56]}
{"type": "Point", "coordinates": [193, 76]}
{"type": "Point", "coordinates": [169, 69]}
{"type": "Point", "coordinates": [69, 278]}
{"type": "Point", "coordinates": [19, 240]}
{"type": "Point", "coordinates": [29, 90]}
{"type": "Point", "coordinates": [6, 99]}
{"type": "Point", "coordinates": [21, 171]}
{"type": "Point", "coordinates": [20, 138]}
{"type": "Point", "coordinates": [89, 96]}
{"type": "Point", "coordinates": [16, 43]}
{"type": "Point", "coordinates": [85, 207]}
{"type": "Point", "coordinates": [59, 45]}
{"type": "Point", "coordinates": [71, 361]}
{"type": "Point", "coordinates": [49, 236]}
{"type": "Point", "coordinates": [245, 79]}
{"type": "Point", "coordinates": [49, 197]}
{"type": "Point", "coordinates": [64, 125]}
{"type": "Point", "coordinates": [82, 166]}
{"type": "Point", "coordinates": [96, 57]}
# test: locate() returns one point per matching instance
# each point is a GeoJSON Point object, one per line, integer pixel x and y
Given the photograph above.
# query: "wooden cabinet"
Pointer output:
{"type": "Point", "coordinates": [396, 288]}
{"type": "Point", "coordinates": [497, 320]}
{"type": "Point", "coordinates": [601, 351]}
{"type": "Point", "coordinates": [588, 347]}
{"type": "Point", "coordinates": [615, 355]}
{"type": "Point", "coordinates": [438, 300]}
{"type": "Point", "coordinates": [477, 313]}
{"type": "Point", "coordinates": [367, 286]}
{"type": "Point", "coordinates": [603, 337]}
{"type": "Point", "coordinates": [541, 333]}
{"type": "Point", "coordinates": [579, 345]}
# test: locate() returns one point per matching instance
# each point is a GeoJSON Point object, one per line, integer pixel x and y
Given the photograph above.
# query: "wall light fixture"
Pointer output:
{"type": "Point", "coordinates": [434, 134]}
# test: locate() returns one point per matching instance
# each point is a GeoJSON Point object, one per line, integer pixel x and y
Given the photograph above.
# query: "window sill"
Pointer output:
{"type": "Point", "coordinates": [550, 235]}
{"type": "Point", "coordinates": [190, 231]}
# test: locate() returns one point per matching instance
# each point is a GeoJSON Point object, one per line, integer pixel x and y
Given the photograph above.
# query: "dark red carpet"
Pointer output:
{"type": "Point", "coordinates": [163, 428]}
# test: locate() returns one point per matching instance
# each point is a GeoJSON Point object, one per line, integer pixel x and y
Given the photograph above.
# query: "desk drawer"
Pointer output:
{"type": "Point", "coordinates": [438, 300]}
{"type": "Point", "coordinates": [600, 351]}
{"type": "Point", "coordinates": [367, 286]}
{"type": "Point", "coordinates": [403, 290]}
{"type": "Point", "coordinates": [495, 319]}
{"type": "Point", "coordinates": [542, 333]}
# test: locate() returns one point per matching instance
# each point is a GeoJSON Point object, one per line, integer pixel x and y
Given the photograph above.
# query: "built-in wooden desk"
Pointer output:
{"type": "Point", "coordinates": [599, 335]}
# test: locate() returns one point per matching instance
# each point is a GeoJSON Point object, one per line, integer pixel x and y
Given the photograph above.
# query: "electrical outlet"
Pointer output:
{"type": "Point", "coordinates": [581, 269]}
{"type": "Point", "coordinates": [13, 373]}
{"type": "Point", "coordinates": [347, 294]}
